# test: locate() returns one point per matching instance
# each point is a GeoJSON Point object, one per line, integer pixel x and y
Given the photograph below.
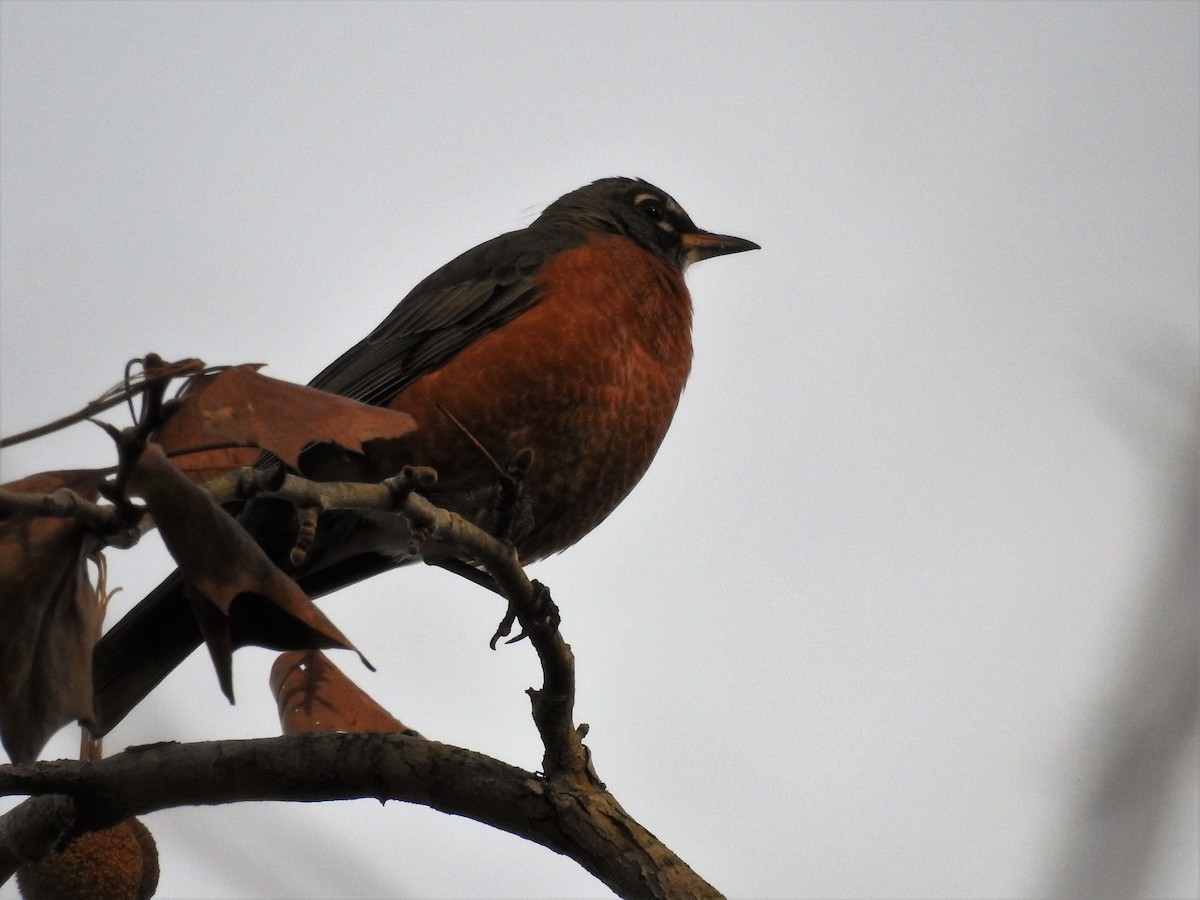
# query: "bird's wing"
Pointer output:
{"type": "Point", "coordinates": [467, 298]}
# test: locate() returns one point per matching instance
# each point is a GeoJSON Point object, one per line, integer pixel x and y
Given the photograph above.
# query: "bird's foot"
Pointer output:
{"type": "Point", "coordinates": [544, 620]}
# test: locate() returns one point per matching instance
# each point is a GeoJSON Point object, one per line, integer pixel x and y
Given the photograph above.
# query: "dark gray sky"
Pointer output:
{"type": "Point", "coordinates": [856, 632]}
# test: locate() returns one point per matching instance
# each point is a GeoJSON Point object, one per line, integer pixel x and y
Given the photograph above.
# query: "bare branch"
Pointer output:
{"type": "Point", "coordinates": [587, 825]}
{"type": "Point", "coordinates": [449, 536]}
{"type": "Point", "coordinates": [60, 504]}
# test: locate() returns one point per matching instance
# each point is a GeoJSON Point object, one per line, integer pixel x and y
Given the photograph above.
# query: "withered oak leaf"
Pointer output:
{"type": "Point", "coordinates": [49, 618]}
{"type": "Point", "coordinates": [220, 563]}
{"type": "Point", "coordinates": [314, 695]}
{"type": "Point", "coordinates": [239, 407]}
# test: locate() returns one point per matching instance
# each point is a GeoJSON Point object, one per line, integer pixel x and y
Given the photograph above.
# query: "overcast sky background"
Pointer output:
{"type": "Point", "coordinates": [918, 555]}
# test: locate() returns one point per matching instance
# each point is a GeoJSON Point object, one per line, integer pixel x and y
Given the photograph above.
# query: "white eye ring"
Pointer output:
{"type": "Point", "coordinates": [652, 206]}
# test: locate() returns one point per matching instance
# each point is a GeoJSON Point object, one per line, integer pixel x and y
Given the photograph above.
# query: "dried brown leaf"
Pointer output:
{"type": "Point", "coordinates": [203, 465]}
{"type": "Point", "coordinates": [49, 619]}
{"type": "Point", "coordinates": [220, 564]}
{"type": "Point", "coordinates": [315, 695]}
{"type": "Point", "coordinates": [242, 408]}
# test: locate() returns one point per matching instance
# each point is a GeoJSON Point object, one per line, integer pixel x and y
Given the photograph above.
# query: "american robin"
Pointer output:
{"type": "Point", "coordinates": [564, 345]}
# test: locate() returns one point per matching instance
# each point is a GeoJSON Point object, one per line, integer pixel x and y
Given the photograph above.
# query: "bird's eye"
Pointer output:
{"type": "Point", "coordinates": [653, 207]}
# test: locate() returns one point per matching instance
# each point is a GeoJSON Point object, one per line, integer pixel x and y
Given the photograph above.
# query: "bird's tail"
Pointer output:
{"type": "Point", "coordinates": [141, 650]}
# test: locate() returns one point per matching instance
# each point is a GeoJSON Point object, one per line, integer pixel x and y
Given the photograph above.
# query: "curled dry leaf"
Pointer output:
{"type": "Point", "coordinates": [49, 619]}
{"type": "Point", "coordinates": [242, 408]}
{"type": "Point", "coordinates": [315, 695]}
{"type": "Point", "coordinates": [221, 563]}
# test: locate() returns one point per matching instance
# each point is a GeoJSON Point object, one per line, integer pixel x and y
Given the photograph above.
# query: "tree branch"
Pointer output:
{"type": "Point", "coordinates": [585, 824]}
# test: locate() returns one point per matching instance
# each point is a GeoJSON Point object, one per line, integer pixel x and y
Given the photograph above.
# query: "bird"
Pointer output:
{"type": "Point", "coordinates": [561, 348]}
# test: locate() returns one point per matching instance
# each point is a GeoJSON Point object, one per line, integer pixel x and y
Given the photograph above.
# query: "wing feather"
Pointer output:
{"type": "Point", "coordinates": [467, 298]}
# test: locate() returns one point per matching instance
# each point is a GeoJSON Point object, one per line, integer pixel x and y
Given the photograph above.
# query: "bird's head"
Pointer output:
{"type": "Point", "coordinates": [646, 215]}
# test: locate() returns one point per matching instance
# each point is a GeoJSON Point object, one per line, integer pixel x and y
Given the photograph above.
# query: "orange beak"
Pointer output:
{"type": "Point", "coordinates": [700, 245]}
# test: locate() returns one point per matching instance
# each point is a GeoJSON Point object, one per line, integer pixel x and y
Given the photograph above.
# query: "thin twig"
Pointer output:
{"type": "Point", "coordinates": [114, 396]}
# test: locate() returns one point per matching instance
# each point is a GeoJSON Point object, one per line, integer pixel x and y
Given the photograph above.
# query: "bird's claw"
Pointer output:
{"type": "Point", "coordinates": [546, 617]}
{"type": "Point", "coordinates": [504, 629]}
